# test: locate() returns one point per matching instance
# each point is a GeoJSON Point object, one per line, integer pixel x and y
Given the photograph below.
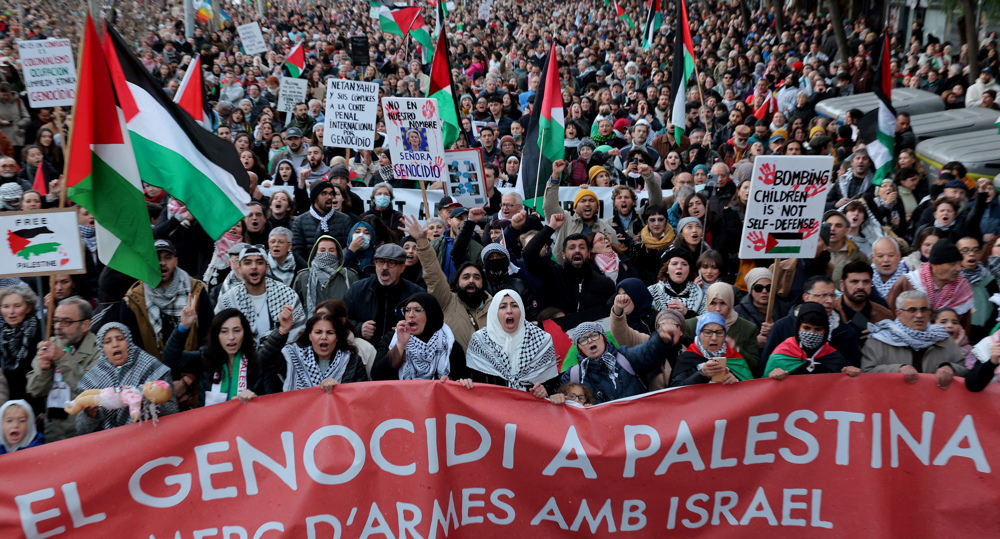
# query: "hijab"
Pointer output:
{"type": "Point", "coordinates": [509, 342]}
{"type": "Point", "coordinates": [30, 434]}
{"type": "Point", "coordinates": [427, 354]}
{"type": "Point", "coordinates": [367, 255]}
{"type": "Point", "coordinates": [642, 302]}
{"type": "Point", "coordinates": [704, 320]}
{"type": "Point", "coordinates": [723, 291]}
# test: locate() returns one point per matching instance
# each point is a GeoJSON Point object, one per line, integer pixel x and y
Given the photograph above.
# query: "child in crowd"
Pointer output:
{"type": "Point", "coordinates": [19, 431]}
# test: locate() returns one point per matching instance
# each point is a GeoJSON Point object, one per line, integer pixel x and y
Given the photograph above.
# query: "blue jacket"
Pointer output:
{"type": "Point", "coordinates": [644, 359]}
{"type": "Point", "coordinates": [39, 440]}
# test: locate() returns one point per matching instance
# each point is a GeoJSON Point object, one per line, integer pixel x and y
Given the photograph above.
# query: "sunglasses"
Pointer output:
{"type": "Point", "coordinates": [761, 288]}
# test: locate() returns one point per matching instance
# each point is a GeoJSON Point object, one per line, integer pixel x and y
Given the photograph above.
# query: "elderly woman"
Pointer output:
{"type": "Point", "coordinates": [20, 333]}
{"type": "Point", "coordinates": [510, 352]}
{"type": "Point", "coordinates": [122, 363]}
{"type": "Point", "coordinates": [675, 287]}
{"type": "Point", "coordinates": [743, 333]}
{"type": "Point", "coordinates": [710, 358]}
{"type": "Point", "coordinates": [382, 197]}
{"type": "Point", "coordinates": [422, 347]}
{"type": "Point", "coordinates": [322, 355]}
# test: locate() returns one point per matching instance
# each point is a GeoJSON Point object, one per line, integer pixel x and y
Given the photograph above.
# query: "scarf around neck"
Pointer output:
{"type": "Point", "coordinates": [894, 333]}
{"type": "Point", "coordinates": [608, 263]}
{"type": "Point", "coordinates": [324, 266]}
{"type": "Point", "coordinates": [974, 275]}
{"type": "Point", "coordinates": [692, 296]}
{"type": "Point", "coordinates": [15, 342]}
{"type": "Point", "coordinates": [169, 301]}
{"type": "Point", "coordinates": [427, 360]}
{"type": "Point", "coordinates": [89, 235]}
{"type": "Point", "coordinates": [303, 368]}
{"type": "Point", "coordinates": [957, 294]}
{"type": "Point", "coordinates": [654, 244]}
{"type": "Point", "coordinates": [884, 286]}
{"type": "Point", "coordinates": [324, 220]}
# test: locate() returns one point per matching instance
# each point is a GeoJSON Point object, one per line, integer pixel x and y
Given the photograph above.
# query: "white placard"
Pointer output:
{"type": "Point", "coordinates": [291, 91]}
{"type": "Point", "coordinates": [40, 242]}
{"type": "Point", "coordinates": [252, 38]}
{"type": "Point", "coordinates": [466, 177]}
{"type": "Point", "coordinates": [351, 113]}
{"type": "Point", "coordinates": [787, 199]}
{"type": "Point", "coordinates": [49, 72]}
{"type": "Point", "coordinates": [414, 137]}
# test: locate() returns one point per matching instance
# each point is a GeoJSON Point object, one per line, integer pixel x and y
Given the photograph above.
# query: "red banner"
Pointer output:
{"type": "Point", "coordinates": [815, 456]}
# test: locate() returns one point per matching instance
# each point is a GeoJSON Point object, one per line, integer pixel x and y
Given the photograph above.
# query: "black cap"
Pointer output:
{"type": "Point", "coordinates": [447, 202]}
{"type": "Point", "coordinates": [945, 252]}
{"type": "Point", "coordinates": [339, 171]}
{"type": "Point", "coordinates": [318, 188]}
{"type": "Point", "coordinates": [165, 245]}
{"type": "Point", "coordinates": [459, 211]}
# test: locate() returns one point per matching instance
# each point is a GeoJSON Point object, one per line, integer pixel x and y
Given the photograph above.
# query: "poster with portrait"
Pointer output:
{"type": "Point", "coordinates": [466, 181]}
{"type": "Point", "coordinates": [414, 138]}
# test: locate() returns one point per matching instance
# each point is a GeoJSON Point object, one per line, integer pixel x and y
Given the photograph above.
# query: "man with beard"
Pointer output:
{"type": "Point", "coordinates": [8, 173]}
{"type": "Point", "coordinates": [61, 362]}
{"type": "Point", "coordinates": [584, 219]}
{"type": "Point", "coordinates": [319, 220]}
{"type": "Point", "coordinates": [372, 302]}
{"type": "Point", "coordinates": [576, 285]}
{"type": "Point", "coordinates": [627, 221]}
{"type": "Point", "coordinates": [256, 225]}
{"type": "Point", "coordinates": [261, 299]}
{"type": "Point", "coordinates": [315, 168]}
{"type": "Point", "coordinates": [302, 120]}
{"type": "Point", "coordinates": [282, 263]}
{"type": "Point", "coordinates": [854, 305]}
{"type": "Point", "coordinates": [464, 300]}
{"type": "Point", "coordinates": [153, 313]}
{"type": "Point", "coordinates": [294, 150]}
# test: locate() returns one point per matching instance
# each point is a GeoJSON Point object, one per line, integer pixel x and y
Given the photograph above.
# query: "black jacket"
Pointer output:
{"type": "Point", "coordinates": [362, 300]}
{"type": "Point", "coordinates": [569, 289]}
{"type": "Point", "coordinates": [844, 339]}
{"type": "Point", "coordinates": [306, 229]}
{"type": "Point", "coordinates": [271, 361]}
{"type": "Point", "coordinates": [179, 360]}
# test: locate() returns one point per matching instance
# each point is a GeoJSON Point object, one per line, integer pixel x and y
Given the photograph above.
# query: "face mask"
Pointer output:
{"type": "Point", "coordinates": [366, 238]}
{"type": "Point", "coordinates": [516, 135]}
{"type": "Point", "coordinates": [382, 201]}
{"type": "Point", "coordinates": [811, 341]}
{"type": "Point", "coordinates": [497, 266]}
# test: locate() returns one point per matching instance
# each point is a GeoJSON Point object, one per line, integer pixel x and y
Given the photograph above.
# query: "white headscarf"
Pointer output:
{"type": "Point", "coordinates": [32, 431]}
{"type": "Point", "coordinates": [510, 342]}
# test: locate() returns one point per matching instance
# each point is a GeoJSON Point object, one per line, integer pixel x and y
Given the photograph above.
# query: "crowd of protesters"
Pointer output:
{"type": "Point", "coordinates": [319, 287]}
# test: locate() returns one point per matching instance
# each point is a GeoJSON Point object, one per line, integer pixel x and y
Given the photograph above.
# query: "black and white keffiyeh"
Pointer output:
{"type": "Point", "coordinates": [974, 275]}
{"type": "Point", "coordinates": [323, 267]}
{"type": "Point", "coordinates": [14, 342]}
{"type": "Point", "coordinates": [894, 333]}
{"type": "Point", "coordinates": [324, 220]}
{"type": "Point", "coordinates": [525, 356]}
{"type": "Point", "coordinates": [89, 236]}
{"type": "Point", "coordinates": [284, 271]}
{"type": "Point", "coordinates": [167, 302]}
{"type": "Point", "coordinates": [428, 360]}
{"type": "Point", "coordinates": [692, 296]}
{"type": "Point", "coordinates": [278, 295]}
{"type": "Point", "coordinates": [608, 358]}
{"type": "Point", "coordinates": [303, 370]}
{"type": "Point", "coordinates": [884, 287]}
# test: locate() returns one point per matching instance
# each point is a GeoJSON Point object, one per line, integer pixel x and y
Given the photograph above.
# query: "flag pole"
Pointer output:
{"type": "Point", "coordinates": [769, 315]}
{"type": "Point", "coordinates": [423, 192]}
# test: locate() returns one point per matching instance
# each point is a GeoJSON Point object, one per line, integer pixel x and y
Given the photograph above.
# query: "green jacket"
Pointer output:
{"type": "Point", "coordinates": [335, 288]}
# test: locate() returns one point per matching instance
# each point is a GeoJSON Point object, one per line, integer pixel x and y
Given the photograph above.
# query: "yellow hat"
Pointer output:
{"type": "Point", "coordinates": [584, 193]}
{"type": "Point", "coordinates": [594, 171]}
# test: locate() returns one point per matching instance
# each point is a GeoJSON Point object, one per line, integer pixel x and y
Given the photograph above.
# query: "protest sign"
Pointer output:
{"type": "Point", "coordinates": [252, 38]}
{"type": "Point", "coordinates": [787, 198]}
{"type": "Point", "coordinates": [351, 112]}
{"type": "Point", "coordinates": [291, 91]}
{"type": "Point", "coordinates": [815, 456]}
{"type": "Point", "coordinates": [40, 242]}
{"type": "Point", "coordinates": [359, 51]}
{"type": "Point", "coordinates": [466, 178]}
{"type": "Point", "coordinates": [414, 137]}
{"type": "Point", "coordinates": [49, 72]}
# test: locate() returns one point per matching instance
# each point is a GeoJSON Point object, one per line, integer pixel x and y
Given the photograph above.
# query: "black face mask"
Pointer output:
{"type": "Point", "coordinates": [497, 268]}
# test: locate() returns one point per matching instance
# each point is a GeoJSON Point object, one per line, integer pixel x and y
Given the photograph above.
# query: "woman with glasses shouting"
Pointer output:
{"type": "Point", "coordinates": [711, 358]}
{"type": "Point", "coordinates": [422, 347]}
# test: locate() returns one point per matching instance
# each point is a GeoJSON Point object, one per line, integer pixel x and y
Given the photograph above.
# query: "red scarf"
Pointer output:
{"type": "Point", "coordinates": [951, 295]}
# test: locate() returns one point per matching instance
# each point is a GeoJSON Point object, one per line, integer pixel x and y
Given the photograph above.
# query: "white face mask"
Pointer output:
{"type": "Point", "coordinates": [366, 238]}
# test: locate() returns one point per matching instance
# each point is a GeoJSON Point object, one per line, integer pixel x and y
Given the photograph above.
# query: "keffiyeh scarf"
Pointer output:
{"type": "Point", "coordinates": [692, 296]}
{"type": "Point", "coordinates": [89, 235]}
{"type": "Point", "coordinates": [535, 361]}
{"type": "Point", "coordinates": [884, 287]}
{"type": "Point", "coordinates": [994, 266]}
{"type": "Point", "coordinates": [324, 266]}
{"type": "Point", "coordinates": [324, 220]}
{"type": "Point", "coordinates": [956, 295]}
{"type": "Point", "coordinates": [608, 262]}
{"type": "Point", "coordinates": [278, 295]}
{"type": "Point", "coordinates": [303, 370]}
{"type": "Point", "coordinates": [167, 302]}
{"type": "Point", "coordinates": [428, 360]}
{"type": "Point", "coordinates": [894, 333]}
{"type": "Point", "coordinates": [974, 275]}
{"type": "Point", "coordinates": [14, 342]}
{"type": "Point", "coordinates": [608, 358]}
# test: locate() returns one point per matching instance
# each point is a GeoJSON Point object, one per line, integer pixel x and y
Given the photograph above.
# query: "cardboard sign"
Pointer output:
{"type": "Point", "coordinates": [466, 178]}
{"type": "Point", "coordinates": [252, 38]}
{"type": "Point", "coordinates": [292, 91]}
{"type": "Point", "coordinates": [359, 51]}
{"type": "Point", "coordinates": [414, 137]}
{"type": "Point", "coordinates": [787, 199]}
{"type": "Point", "coordinates": [817, 456]}
{"type": "Point", "coordinates": [49, 72]}
{"type": "Point", "coordinates": [40, 242]}
{"type": "Point", "coordinates": [351, 113]}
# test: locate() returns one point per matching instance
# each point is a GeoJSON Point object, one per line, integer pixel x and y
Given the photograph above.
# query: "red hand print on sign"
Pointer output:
{"type": "Point", "coordinates": [756, 241]}
{"type": "Point", "coordinates": [814, 189]}
{"type": "Point", "coordinates": [429, 110]}
{"type": "Point", "coordinates": [767, 174]}
{"type": "Point", "coordinates": [439, 162]}
{"type": "Point", "coordinates": [809, 230]}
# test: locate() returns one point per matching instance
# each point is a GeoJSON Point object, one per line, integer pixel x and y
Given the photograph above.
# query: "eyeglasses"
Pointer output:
{"type": "Point", "coordinates": [415, 310]}
{"type": "Point", "coordinates": [387, 263]}
{"type": "Point", "coordinates": [824, 296]}
{"type": "Point", "coordinates": [507, 205]}
{"type": "Point", "coordinates": [967, 250]}
{"type": "Point", "coordinates": [761, 288]}
{"type": "Point", "coordinates": [915, 310]}
{"type": "Point", "coordinates": [62, 322]}
{"type": "Point", "coordinates": [582, 399]}
{"type": "Point", "coordinates": [656, 219]}
{"type": "Point", "coordinates": [713, 332]}
{"type": "Point", "coordinates": [592, 336]}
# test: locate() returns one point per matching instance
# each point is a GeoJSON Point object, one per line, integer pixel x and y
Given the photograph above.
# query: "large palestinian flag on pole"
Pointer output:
{"type": "Point", "coordinates": [102, 175]}
{"type": "Point", "coordinates": [440, 88]}
{"type": "Point", "coordinates": [545, 138]}
{"type": "Point", "coordinates": [296, 61]}
{"type": "Point", "coordinates": [654, 19]}
{"type": "Point", "coordinates": [191, 96]}
{"type": "Point", "coordinates": [192, 165]}
{"type": "Point", "coordinates": [683, 68]}
{"type": "Point", "coordinates": [393, 19]}
{"type": "Point", "coordinates": [879, 128]}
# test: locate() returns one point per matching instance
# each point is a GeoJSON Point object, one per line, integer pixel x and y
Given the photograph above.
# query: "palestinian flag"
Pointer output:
{"type": "Point", "coordinates": [296, 61]}
{"type": "Point", "coordinates": [790, 357]}
{"type": "Point", "coordinates": [683, 68]}
{"type": "Point", "coordinates": [39, 184]}
{"type": "Point", "coordinates": [441, 90]}
{"type": "Point", "coordinates": [998, 124]}
{"type": "Point", "coordinates": [545, 137]}
{"type": "Point", "coordinates": [654, 19]}
{"type": "Point", "coordinates": [392, 19]}
{"type": "Point", "coordinates": [881, 141]}
{"type": "Point", "coordinates": [418, 29]}
{"type": "Point", "coordinates": [783, 243]}
{"type": "Point", "coordinates": [102, 173]}
{"type": "Point", "coordinates": [32, 241]}
{"type": "Point", "coordinates": [622, 16]}
{"type": "Point", "coordinates": [767, 108]}
{"type": "Point", "coordinates": [191, 96]}
{"type": "Point", "coordinates": [191, 164]}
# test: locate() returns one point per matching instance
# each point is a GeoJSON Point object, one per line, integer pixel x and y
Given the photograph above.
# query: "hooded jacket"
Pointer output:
{"type": "Point", "coordinates": [572, 290]}
{"type": "Point", "coordinates": [338, 284]}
